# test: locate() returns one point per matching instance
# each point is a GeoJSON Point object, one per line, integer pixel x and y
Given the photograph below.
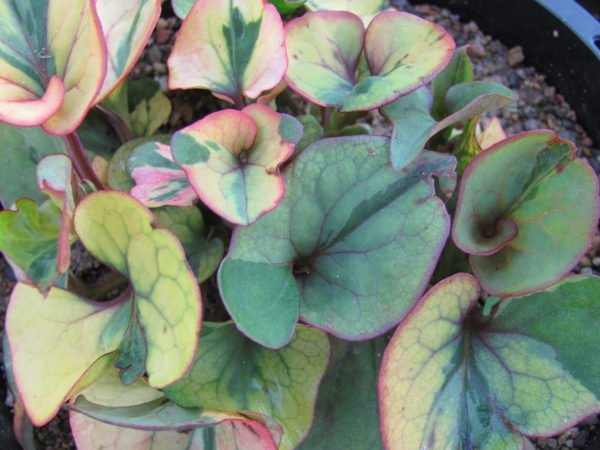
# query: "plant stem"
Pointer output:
{"type": "Point", "coordinates": [117, 123]}
{"type": "Point", "coordinates": [80, 161]}
{"type": "Point", "coordinates": [324, 117]}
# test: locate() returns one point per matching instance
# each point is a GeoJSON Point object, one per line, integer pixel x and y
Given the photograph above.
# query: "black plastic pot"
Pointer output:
{"type": "Point", "coordinates": [559, 37]}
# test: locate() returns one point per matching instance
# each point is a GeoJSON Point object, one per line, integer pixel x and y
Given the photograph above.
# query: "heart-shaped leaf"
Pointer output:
{"type": "Point", "coordinates": [155, 328]}
{"type": "Point", "coordinates": [21, 150]}
{"type": "Point", "coordinates": [527, 211]}
{"type": "Point", "coordinates": [232, 160]}
{"type": "Point", "coordinates": [403, 52]}
{"type": "Point", "coordinates": [52, 62]}
{"type": "Point", "coordinates": [414, 123]}
{"type": "Point", "coordinates": [105, 402]}
{"type": "Point", "coordinates": [451, 378]}
{"type": "Point", "coordinates": [187, 224]}
{"type": "Point", "coordinates": [126, 26]}
{"type": "Point", "coordinates": [235, 374]}
{"type": "Point", "coordinates": [159, 181]}
{"type": "Point", "coordinates": [117, 230]}
{"type": "Point", "coordinates": [235, 48]}
{"type": "Point", "coordinates": [346, 413]}
{"type": "Point", "coordinates": [328, 250]}
{"type": "Point", "coordinates": [53, 341]}
{"type": "Point", "coordinates": [29, 239]}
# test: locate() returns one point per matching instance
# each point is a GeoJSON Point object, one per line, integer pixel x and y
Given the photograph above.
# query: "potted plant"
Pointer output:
{"type": "Point", "coordinates": [318, 241]}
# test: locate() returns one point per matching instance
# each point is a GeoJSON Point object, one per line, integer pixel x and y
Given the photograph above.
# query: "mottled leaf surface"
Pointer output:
{"type": "Point", "coordinates": [235, 374]}
{"type": "Point", "coordinates": [118, 231]}
{"type": "Point", "coordinates": [527, 211]}
{"type": "Point", "coordinates": [232, 160]}
{"type": "Point", "coordinates": [234, 48]}
{"type": "Point", "coordinates": [118, 174]}
{"type": "Point", "coordinates": [21, 150]}
{"type": "Point", "coordinates": [52, 62]}
{"type": "Point", "coordinates": [403, 52]}
{"type": "Point", "coordinates": [159, 181]}
{"type": "Point", "coordinates": [203, 253]}
{"type": "Point", "coordinates": [329, 251]}
{"type": "Point", "coordinates": [414, 123]}
{"type": "Point", "coordinates": [126, 26]}
{"type": "Point", "coordinates": [53, 341]}
{"type": "Point", "coordinates": [450, 379]}
{"type": "Point", "coordinates": [346, 413]}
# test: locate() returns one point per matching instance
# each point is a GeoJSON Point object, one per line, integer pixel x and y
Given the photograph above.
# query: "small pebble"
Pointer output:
{"type": "Point", "coordinates": [515, 56]}
{"type": "Point", "coordinates": [159, 68]}
{"type": "Point", "coordinates": [475, 49]}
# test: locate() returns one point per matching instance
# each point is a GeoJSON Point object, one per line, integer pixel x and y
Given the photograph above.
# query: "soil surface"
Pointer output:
{"type": "Point", "coordinates": [539, 106]}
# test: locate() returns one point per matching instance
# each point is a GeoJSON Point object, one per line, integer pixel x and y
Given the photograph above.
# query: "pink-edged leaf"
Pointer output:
{"type": "Point", "coordinates": [55, 175]}
{"type": "Point", "coordinates": [526, 212]}
{"type": "Point", "coordinates": [232, 160]}
{"type": "Point", "coordinates": [126, 26]}
{"type": "Point", "coordinates": [159, 181]}
{"type": "Point", "coordinates": [111, 415]}
{"type": "Point", "coordinates": [366, 10]}
{"type": "Point", "coordinates": [52, 62]}
{"type": "Point", "coordinates": [454, 377]}
{"type": "Point", "coordinates": [234, 48]}
{"type": "Point", "coordinates": [403, 52]}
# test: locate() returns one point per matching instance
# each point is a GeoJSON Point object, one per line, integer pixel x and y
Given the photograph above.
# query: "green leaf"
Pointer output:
{"type": "Point", "coordinates": [118, 175]}
{"type": "Point", "coordinates": [403, 52]}
{"type": "Point", "coordinates": [240, 152]}
{"type": "Point", "coordinates": [182, 7]}
{"type": "Point", "coordinates": [235, 374]}
{"type": "Point", "coordinates": [313, 131]}
{"type": "Point", "coordinates": [187, 224]}
{"type": "Point", "coordinates": [460, 70]}
{"type": "Point", "coordinates": [414, 124]}
{"type": "Point", "coordinates": [287, 6]}
{"type": "Point", "coordinates": [235, 48]}
{"type": "Point", "coordinates": [29, 238]}
{"type": "Point", "coordinates": [21, 150]}
{"type": "Point", "coordinates": [149, 107]}
{"type": "Point", "coordinates": [328, 248]}
{"type": "Point", "coordinates": [527, 211]}
{"type": "Point", "coordinates": [346, 416]}
{"type": "Point", "coordinates": [455, 380]}
{"type": "Point", "coordinates": [97, 136]}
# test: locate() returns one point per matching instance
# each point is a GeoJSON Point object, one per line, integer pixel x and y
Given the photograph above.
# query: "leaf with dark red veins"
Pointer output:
{"type": "Point", "coordinates": [527, 211]}
{"type": "Point", "coordinates": [403, 52]}
{"type": "Point", "coordinates": [235, 48]}
{"type": "Point", "coordinates": [414, 124]}
{"type": "Point", "coordinates": [232, 160]}
{"type": "Point", "coordinates": [159, 181]}
{"type": "Point", "coordinates": [453, 379]}
{"type": "Point", "coordinates": [329, 249]}
{"type": "Point", "coordinates": [52, 62]}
